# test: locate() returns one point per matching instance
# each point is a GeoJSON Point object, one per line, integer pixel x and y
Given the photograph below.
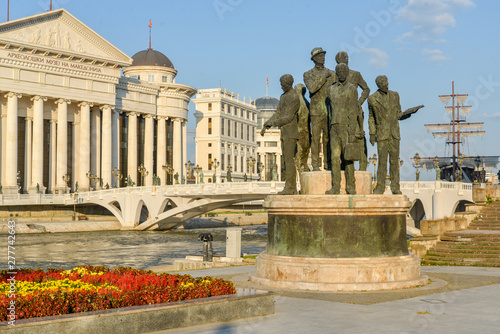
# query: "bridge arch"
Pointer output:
{"type": "Point", "coordinates": [460, 205]}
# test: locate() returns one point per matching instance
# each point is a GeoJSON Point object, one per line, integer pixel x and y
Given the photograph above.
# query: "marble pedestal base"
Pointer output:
{"type": "Point", "coordinates": [317, 183]}
{"type": "Point", "coordinates": [337, 243]}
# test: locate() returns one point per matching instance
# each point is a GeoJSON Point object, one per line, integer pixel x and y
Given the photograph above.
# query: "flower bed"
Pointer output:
{"type": "Point", "coordinates": [57, 291]}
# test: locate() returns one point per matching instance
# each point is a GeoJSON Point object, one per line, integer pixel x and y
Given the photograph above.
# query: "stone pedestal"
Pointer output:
{"type": "Point", "coordinates": [338, 243]}
{"type": "Point", "coordinates": [317, 183]}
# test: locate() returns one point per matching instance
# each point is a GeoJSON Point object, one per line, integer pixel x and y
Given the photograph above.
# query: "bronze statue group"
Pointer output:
{"type": "Point", "coordinates": [334, 117]}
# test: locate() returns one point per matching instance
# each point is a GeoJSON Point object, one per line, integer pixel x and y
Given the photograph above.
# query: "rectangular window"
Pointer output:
{"type": "Point", "coordinates": [138, 77]}
{"type": "Point", "coordinates": [252, 131]}
{"type": "Point", "coordinates": [151, 77]}
{"type": "Point", "coordinates": [209, 144]}
{"type": "Point", "coordinates": [241, 165]}
{"type": "Point", "coordinates": [209, 161]}
{"type": "Point", "coordinates": [222, 122]}
{"type": "Point", "coordinates": [248, 132]}
{"type": "Point", "coordinates": [235, 111]}
{"type": "Point", "coordinates": [222, 162]}
{"type": "Point", "coordinates": [209, 125]}
{"type": "Point", "coordinates": [241, 113]}
{"type": "Point", "coordinates": [253, 117]}
{"type": "Point", "coordinates": [229, 128]}
{"type": "Point", "coordinates": [241, 133]}
{"type": "Point", "coordinates": [248, 114]}
{"type": "Point", "coordinates": [210, 107]}
{"type": "Point", "coordinates": [164, 78]}
{"type": "Point", "coordinates": [235, 129]}
{"type": "Point", "coordinates": [271, 144]}
{"type": "Point", "coordinates": [235, 163]}
{"type": "Point", "coordinates": [228, 160]}
{"type": "Point", "coordinates": [222, 145]}
{"type": "Point", "coordinates": [222, 107]}
{"type": "Point", "coordinates": [228, 109]}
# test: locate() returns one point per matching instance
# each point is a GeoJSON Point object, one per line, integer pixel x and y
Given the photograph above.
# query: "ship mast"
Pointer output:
{"type": "Point", "coordinates": [454, 130]}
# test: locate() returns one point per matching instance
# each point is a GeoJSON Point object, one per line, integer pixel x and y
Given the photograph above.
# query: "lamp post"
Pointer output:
{"type": "Point", "coordinates": [118, 175]}
{"type": "Point", "coordinates": [229, 171]}
{"type": "Point", "coordinates": [438, 170]}
{"type": "Point", "coordinates": [215, 164]}
{"type": "Point", "coordinates": [373, 160]}
{"type": "Point", "coordinates": [416, 163]}
{"type": "Point", "coordinates": [197, 170]}
{"type": "Point", "coordinates": [460, 162]}
{"type": "Point", "coordinates": [189, 166]}
{"type": "Point", "coordinates": [18, 178]}
{"type": "Point", "coordinates": [478, 177]}
{"type": "Point", "coordinates": [168, 170]}
{"type": "Point", "coordinates": [75, 196]}
{"type": "Point", "coordinates": [90, 176]}
{"type": "Point", "coordinates": [260, 167]}
{"type": "Point", "coordinates": [143, 172]}
{"type": "Point", "coordinates": [96, 179]}
{"type": "Point", "coordinates": [251, 163]}
{"type": "Point", "coordinates": [66, 180]}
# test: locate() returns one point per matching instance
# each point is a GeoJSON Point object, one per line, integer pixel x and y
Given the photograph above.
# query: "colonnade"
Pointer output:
{"type": "Point", "coordinates": [94, 146]}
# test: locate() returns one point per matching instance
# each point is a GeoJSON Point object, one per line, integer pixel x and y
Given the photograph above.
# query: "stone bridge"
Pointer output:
{"type": "Point", "coordinates": [143, 208]}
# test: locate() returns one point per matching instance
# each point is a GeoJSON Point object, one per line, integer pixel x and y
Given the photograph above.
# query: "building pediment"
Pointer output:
{"type": "Point", "coordinates": [59, 32]}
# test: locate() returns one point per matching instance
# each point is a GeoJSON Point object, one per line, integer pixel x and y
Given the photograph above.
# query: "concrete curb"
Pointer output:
{"type": "Point", "coordinates": [151, 318]}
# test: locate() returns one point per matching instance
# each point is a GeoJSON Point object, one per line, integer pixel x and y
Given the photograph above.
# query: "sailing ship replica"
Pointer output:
{"type": "Point", "coordinates": [458, 167]}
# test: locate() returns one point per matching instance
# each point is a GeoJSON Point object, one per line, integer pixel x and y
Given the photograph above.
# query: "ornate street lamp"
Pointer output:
{"type": "Point", "coordinates": [118, 175]}
{"type": "Point", "coordinates": [143, 172]}
{"type": "Point", "coordinates": [416, 163]}
{"type": "Point", "coordinates": [215, 164]}
{"type": "Point", "coordinates": [438, 170]}
{"type": "Point", "coordinates": [229, 170]}
{"type": "Point", "coordinates": [260, 167]}
{"type": "Point", "coordinates": [460, 162]}
{"type": "Point", "coordinates": [66, 180]}
{"type": "Point", "coordinates": [189, 166]}
{"type": "Point", "coordinates": [96, 179]}
{"type": "Point", "coordinates": [168, 170]}
{"type": "Point", "coordinates": [197, 170]}
{"type": "Point", "coordinates": [251, 162]}
{"type": "Point", "coordinates": [90, 176]}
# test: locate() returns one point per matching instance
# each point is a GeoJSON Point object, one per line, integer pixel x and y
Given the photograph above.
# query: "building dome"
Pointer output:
{"type": "Point", "coordinates": [151, 57]}
{"type": "Point", "coordinates": [266, 103]}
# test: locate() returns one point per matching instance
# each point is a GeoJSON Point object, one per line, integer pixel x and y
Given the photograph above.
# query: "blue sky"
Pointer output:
{"type": "Point", "coordinates": [421, 45]}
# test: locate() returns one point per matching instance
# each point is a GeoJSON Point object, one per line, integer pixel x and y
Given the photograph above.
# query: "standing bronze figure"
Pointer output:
{"type": "Point", "coordinates": [304, 142]}
{"type": "Point", "coordinates": [344, 128]}
{"type": "Point", "coordinates": [357, 80]}
{"type": "Point", "coordinates": [285, 117]}
{"type": "Point", "coordinates": [317, 81]}
{"type": "Point", "coordinates": [384, 115]}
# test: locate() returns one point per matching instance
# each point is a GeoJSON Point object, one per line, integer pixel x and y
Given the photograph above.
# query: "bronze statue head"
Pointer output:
{"type": "Point", "coordinates": [342, 57]}
{"type": "Point", "coordinates": [382, 83]}
{"type": "Point", "coordinates": [318, 56]}
{"type": "Point", "coordinates": [286, 81]}
{"type": "Point", "coordinates": [342, 71]}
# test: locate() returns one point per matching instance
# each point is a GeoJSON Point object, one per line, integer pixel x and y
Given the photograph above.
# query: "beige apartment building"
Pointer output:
{"type": "Point", "coordinates": [68, 112]}
{"type": "Point", "coordinates": [225, 135]}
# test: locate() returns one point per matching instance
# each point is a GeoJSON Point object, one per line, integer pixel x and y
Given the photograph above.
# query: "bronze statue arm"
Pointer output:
{"type": "Point", "coordinates": [408, 112]}
{"type": "Point", "coordinates": [366, 90]}
{"type": "Point", "coordinates": [372, 123]}
{"type": "Point", "coordinates": [314, 85]}
{"type": "Point", "coordinates": [287, 117]}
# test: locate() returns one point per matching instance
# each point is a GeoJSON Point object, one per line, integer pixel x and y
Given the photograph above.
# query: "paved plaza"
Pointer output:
{"type": "Point", "coordinates": [458, 300]}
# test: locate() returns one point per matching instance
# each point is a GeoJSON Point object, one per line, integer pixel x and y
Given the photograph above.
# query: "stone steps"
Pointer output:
{"type": "Point", "coordinates": [477, 246]}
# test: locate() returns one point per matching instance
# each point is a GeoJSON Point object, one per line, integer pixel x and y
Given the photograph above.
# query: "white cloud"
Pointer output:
{"type": "Point", "coordinates": [378, 57]}
{"type": "Point", "coordinates": [430, 18]}
{"type": "Point", "coordinates": [434, 55]}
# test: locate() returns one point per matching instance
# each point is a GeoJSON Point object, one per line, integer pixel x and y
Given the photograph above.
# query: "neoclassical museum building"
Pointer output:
{"type": "Point", "coordinates": [73, 106]}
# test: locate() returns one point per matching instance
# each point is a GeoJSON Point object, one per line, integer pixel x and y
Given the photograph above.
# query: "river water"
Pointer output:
{"type": "Point", "coordinates": [113, 249]}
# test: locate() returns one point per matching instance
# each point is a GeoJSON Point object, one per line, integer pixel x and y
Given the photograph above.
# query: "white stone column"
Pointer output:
{"type": "Point", "coordinates": [11, 163]}
{"type": "Point", "coordinates": [278, 166]}
{"type": "Point", "coordinates": [38, 149]}
{"type": "Point", "coordinates": [62, 143]}
{"type": "Point", "coordinates": [52, 156]}
{"type": "Point", "coordinates": [75, 148]}
{"type": "Point", "coordinates": [84, 147]}
{"type": "Point", "coordinates": [161, 147]}
{"type": "Point", "coordinates": [28, 142]}
{"type": "Point", "coordinates": [106, 146]}
{"type": "Point", "coordinates": [132, 147]}
{"type": "Point", "coordinates": [4, 140]}
{"type": "Point", "coordinates": [115, 143]}
{"type": "Point", "coordinates": [95, 143]}
{"type": "Point", "coordinates": [177, 148]}
{"type": "Point", "coordinates": [149, 149]}
{"type": "Point", "coordinates": [184, 145]}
